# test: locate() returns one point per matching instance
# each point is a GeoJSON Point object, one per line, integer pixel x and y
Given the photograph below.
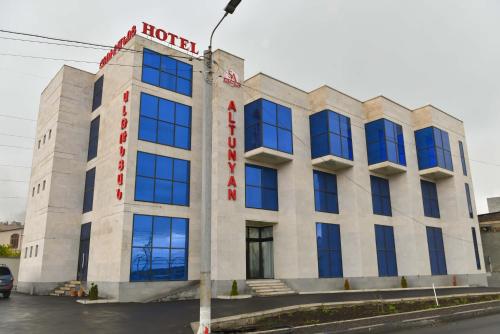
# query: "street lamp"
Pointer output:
{"type": "Point", "coordinates": [206, 184]}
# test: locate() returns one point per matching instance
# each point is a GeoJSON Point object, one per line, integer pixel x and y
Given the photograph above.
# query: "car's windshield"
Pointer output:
{"type": "Point", "coordinates": [4, 271]}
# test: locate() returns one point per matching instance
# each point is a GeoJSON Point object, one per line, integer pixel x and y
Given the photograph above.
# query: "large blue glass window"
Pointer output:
{"type": "Point", "coordinates": [166, 72]}
{"type": "Point", "coordinates": [469, 201]}
{"type": "Point", "coordinates": [384, 142]}
{"type": "Point", "coordinates": [462, 157]}
{"type": "Point", "coordinates": [436, 251]}
{"type": "Point", "coordinates": [433, 148]}
{"type": "Point", "coordinates": [476, 249]}
{"type": "Point", "coordinates": [97, 97]}
{"type": "Point", "coordinates": [430, 199]}
{"type": "Point", "coordinates": [88, 195]}
{"type": "Point", "coordinates": [93, 138]}
{"type": "Point", "coordinates": [165, 122]}
{"type": "Point", "coordinates": [268, 124]}
{"type": "Point", "coordinates": [159, 248]}
{"type": "Point", "coordinates": [162, 179]}
{"type": "Point", "coordinates": [330, 135]}
{"type": "Point", "coordinates": [261, 188]}
{"type": "Point", "coordinates": [329, 250]}
{"type": "Point", "coordinates": [381, 196]}
{"type": "Point", "coordinates": [325, 192]}
{"type": "Point", "coordinates": [386, 251]}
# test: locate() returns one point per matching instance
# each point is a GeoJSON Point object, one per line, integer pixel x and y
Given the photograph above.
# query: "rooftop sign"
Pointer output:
{"type": "Point", "coordinates": [169, 37]}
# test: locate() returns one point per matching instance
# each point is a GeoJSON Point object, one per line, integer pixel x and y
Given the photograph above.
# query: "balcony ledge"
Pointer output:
{"type": "Point", "coordinates": [332, 163]}
{"type": "Point", "coordinates": [436, 173]}
{"type": "Point", "coordinates": [387, 168]}
{"type": "Point", "coordinates": [269, 156]}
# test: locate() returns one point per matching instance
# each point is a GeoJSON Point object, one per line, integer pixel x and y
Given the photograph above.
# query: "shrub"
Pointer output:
{"type": "Point", "coordinates": [347, 286]}
{"type": "Point", "coordinates": [6, 251]}
{"type": "Point", "coordinates": [404, 283]}
{"type": "Point", "coordinates": [93, 292]}
{"type": "Point", "coordinates": [234, 289]}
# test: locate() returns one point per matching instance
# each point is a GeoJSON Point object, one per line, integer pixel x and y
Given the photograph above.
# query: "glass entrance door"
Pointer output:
{"type": "Point", "coordinates": [83, 253]}
{"type": "Point", "coordinates": [260, 252]}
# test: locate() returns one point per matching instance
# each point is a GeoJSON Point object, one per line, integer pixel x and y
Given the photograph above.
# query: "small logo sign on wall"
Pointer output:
{"type": "Point", "coordinates": [231, 78]}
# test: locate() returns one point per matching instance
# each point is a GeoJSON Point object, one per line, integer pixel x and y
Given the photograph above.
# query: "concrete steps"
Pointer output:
{"type": "Point", "coordinates": [68, 289]}
{"type": "Point", "coordinates": [269, 287]}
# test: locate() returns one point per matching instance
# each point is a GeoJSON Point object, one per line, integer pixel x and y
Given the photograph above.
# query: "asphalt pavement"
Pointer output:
{"type": "Point", "coordinates": [46, 314]}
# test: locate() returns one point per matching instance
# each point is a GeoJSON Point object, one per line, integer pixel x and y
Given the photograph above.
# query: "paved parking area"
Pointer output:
{"type": "Point", "coordinates": [61, 315]}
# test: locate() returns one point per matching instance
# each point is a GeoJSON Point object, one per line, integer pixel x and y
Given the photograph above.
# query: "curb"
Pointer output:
{"type": "Point", "coordinates": [246, 316]}
{"type": "Point", "coordinates": [98, 301]}
{"type": "Point", "coordinates": [234, 297]}
{"type": "Point", "coordinates": [376, 290]}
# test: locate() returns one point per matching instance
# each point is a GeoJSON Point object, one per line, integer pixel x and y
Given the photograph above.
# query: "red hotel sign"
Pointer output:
{"type": "Point", "coordinates": [231, 151]}
{"type": "Point", "coordinates": [122, 141]}
{"type": "Point", "coordinates": [118, 46]}
{"type": "Point", "coordinates": [169, 37]}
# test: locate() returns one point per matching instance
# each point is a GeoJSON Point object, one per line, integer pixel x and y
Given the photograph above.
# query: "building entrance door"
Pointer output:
{"type": "Point", "coordinates": [260, 252]}
{"type": "Point", "coordinates": [83, 253]}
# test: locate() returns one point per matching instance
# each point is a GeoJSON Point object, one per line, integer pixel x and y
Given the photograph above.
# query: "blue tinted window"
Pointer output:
{"type": "Point", "coordinates": [430, 199]}
{"type": "Point", "coordinates": [462, 157]}
{"type": "Point", "coordinates": [381, 196]}
{"type": "Point", "coordinates": [384, 142]}
{"type": "Point", "coordinates": [330, 134]}
{"type": "Point", "coordinates": [436, 251]}
{"type": "Point", "coordinates": [93, 138]}
{"type": "Point", "coordinates": [261, 188]}
{"type": "Point", "coordinates": [433, 148]}
{"type": "Point", "coordinates": [165, 122]}
{"type": "Point", "coordinates": [469, 201]}
{"type": "Point", "coordinates": [97, 98]}
{"type": "Point", "coordinates": [166, 72]}
{"type": "Point", "coordinates": [386, 251]}
{"type": "Point", "coordinates": [325, 192]}
{"type": "Point", "coordinates": [159, 248]}
{"type": "Point", "coordinates": [476, 249]}
{"type": "Point", "coordinates": [268, 124]}
{"type": "Point", "coordinates": [162, 179]}
{"type": "Point", "coordinates": [88, 195]}
{"type": "Point", "coordinates": [329, 250]}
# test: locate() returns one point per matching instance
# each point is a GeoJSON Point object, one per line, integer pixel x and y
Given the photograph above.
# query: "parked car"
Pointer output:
{"type": "Point", "coordinates": [6, 281]}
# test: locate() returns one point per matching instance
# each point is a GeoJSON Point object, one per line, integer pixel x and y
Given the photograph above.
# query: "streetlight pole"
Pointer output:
{"type": "Point", "coordinates": [206, 184]}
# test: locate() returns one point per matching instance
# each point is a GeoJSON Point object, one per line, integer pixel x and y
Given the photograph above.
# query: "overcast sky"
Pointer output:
{"type": "Point", "coordinates": [416, 52]}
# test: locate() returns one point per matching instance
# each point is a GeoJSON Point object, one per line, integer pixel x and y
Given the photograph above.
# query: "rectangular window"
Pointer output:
{"type": "Point", "coordinates": [329, 250]}
{"type": "Point", "coordinates": [97, 99]}
{"type": "Point", "coordinates": [268, 124]}
{"type": "Point", "coordinates": [462, 157]}
{"type": "Point", "coordinates": [36, 250]}
{"type": "Point", "coordinates": [261, 187]}
{"type": "Point", "coordinates": [166, 72]}
{"type": "Point", "coordinates": [430, 199]}
{"type": "Point", "coordinates": [93, 138]}
{"type": "Point", "coordinates": [159, 249]}
{"type": "Point", "coordinates": [476, 249]}
{"type": "Point", "coordinates": [88, 196]}
{"type": "Point", "coordinates": [386, 251]}
{"type": "Point", "coordinates": [165, 122]}
{"type": "Point", "coordinates": [330, 135]}
{"type": "Point", "coordinates": [162, 179]}
{"type": "Point", "coordinates": [436, 251]}
{"type": "Point", "coordinates": [381, 196]}
{"type": "Point", "coordinates": [469, 201]}
{"type": "Point", "coordinates": [31, 251]}
{"type": "Point", "coordinates": [385, 142]}
{"type": "Point", "coordinates": [325, 192]}
{"type": "Point", "coordinates": [433, 148]}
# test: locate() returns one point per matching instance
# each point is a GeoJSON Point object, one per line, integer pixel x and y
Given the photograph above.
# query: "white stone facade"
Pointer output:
{"type": "Point", "coordinates": [54, 215]}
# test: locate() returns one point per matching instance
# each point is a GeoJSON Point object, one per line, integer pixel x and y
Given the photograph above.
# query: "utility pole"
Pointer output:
{"type": "Point", "coordinates": [206, 184]}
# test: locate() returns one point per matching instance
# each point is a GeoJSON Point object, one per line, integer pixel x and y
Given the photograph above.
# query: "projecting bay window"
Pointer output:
{"type": "Point", "coordinates": [268, 132]}
{"type": "Point", "coordinates": [159, 248]}
{"type": "Point", "coordinates": [166, 72]}
{"type": "Point", "coordinates": [331, 140]}
{"type": "Point", "coordinates": [434, 152]}
{"type": "Point", "coordinates": [385, 146]}
{"type": "Point", "coordinates": [165, 122]}
{"type": "Point", "coordinates": [162, 179]}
